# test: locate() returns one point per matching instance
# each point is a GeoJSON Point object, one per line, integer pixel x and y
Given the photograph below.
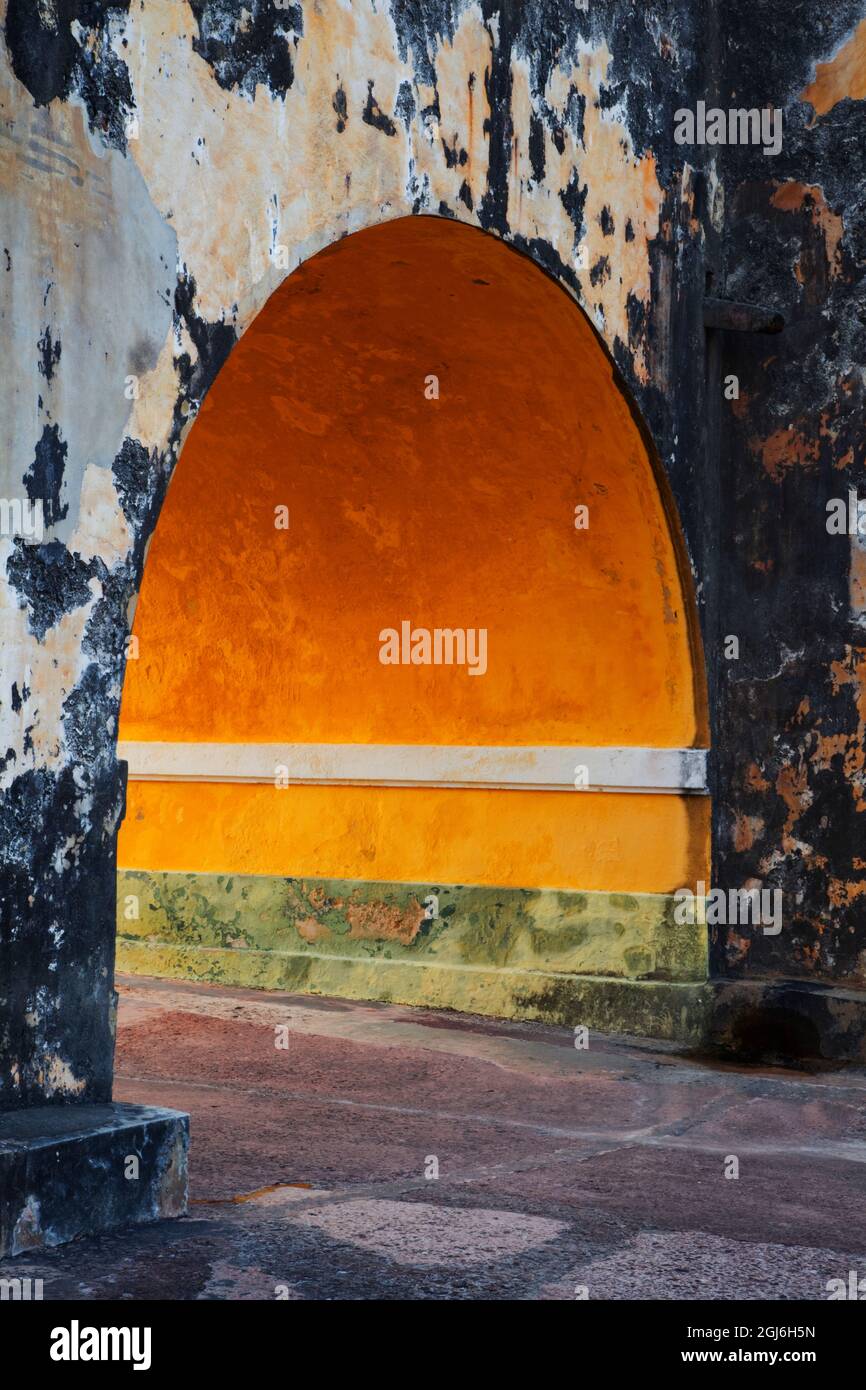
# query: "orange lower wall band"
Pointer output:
{"type": "Point", "coordinates": [570, 840]}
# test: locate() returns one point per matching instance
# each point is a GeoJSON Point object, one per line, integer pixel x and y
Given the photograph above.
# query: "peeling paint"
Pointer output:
{"type": "Point", "coordinates": [843, 75]}
{"type": "Point", "coordinates": [132, 263]}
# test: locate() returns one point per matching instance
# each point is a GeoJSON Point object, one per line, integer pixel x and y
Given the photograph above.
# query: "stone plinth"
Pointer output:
{"type": "Point", "coordinates": [74, 1170]}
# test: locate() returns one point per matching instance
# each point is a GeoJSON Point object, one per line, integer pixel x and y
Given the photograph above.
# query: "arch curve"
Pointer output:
{"type": "Point", "coordinates": [453, 454]}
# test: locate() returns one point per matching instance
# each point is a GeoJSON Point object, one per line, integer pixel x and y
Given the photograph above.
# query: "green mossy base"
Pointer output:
{"type": "Point", "coordinates": [611, 961]}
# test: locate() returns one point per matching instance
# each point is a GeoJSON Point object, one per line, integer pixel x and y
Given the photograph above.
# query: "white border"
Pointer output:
{"type": "Point", "coordinates": [644, 770]}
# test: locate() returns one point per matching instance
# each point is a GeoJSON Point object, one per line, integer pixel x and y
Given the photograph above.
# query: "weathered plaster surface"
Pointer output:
{"type": "Point", "coordinates": [144, 251]}
{"type": "Point", "coordinates": [145, 254]}
{"type": "Point", "coordinates": [155, 252]}
{"type": "Point", "coordinates": [64, 1172]}
{"type": "Point", "coordinates": [512, 953]}
{"type": "Point", "coordinates": [790, 712]}
{"type": "Point", "coordinates": [232, 923]}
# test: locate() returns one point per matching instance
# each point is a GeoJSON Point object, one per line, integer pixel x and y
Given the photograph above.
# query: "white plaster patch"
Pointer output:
{"type": "Point", "coordinates": [614, 178]}
{"type": "Point", "coordinates": [102, 529]}
{"type": "Point", "coordinates": [60, 1078]}
{"type": "Point", "coordinates": [264, 150]}
{"type": "Point", "coordinates": [48, 669]}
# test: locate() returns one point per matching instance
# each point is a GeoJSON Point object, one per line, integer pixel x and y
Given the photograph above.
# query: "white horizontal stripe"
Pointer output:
{"type": "Point", "coordinates": [421, 765]}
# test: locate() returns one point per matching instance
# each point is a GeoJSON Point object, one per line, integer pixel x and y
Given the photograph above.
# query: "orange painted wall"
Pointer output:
{"type": "Point", "coordinates": [591, 842]}
{"type": "Point", "coordinates": [457, 512]}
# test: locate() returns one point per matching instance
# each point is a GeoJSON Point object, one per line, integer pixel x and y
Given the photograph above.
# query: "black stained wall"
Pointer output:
{"type": "Point", "coordinates": [790, 714]}
{"type": "Point", "coordinates": [750, 477]}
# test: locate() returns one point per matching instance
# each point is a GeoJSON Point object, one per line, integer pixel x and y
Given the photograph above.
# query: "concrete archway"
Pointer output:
{"type": "Point", "coordinates": [188, 160]}
{"type": "Point", "coordinates": [169, 163]}
{"type": "Point", "coordinates": [419, 428]}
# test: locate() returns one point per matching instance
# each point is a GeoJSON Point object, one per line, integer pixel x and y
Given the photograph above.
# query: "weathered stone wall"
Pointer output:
{"type": "Point", "coordinates": [143, 254]}
{"type": "Point", "coordinates": [790, 713]}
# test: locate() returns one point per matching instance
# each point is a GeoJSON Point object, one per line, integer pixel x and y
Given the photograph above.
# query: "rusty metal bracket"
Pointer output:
{"type": "Point", "coordinates": [735, 317]}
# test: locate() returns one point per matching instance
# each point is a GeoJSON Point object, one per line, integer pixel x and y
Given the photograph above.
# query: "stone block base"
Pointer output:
{"type": "Point", "coordinates": [75, 1170]}
{"type": "Point", "coordinates": [787, 1021]}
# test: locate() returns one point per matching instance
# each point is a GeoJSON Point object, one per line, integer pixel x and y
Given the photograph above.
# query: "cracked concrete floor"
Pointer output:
{"type": "Point", "coordinates": [561, 1173]}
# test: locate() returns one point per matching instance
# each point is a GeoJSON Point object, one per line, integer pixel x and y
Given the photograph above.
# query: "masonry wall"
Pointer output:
{"type": "Point", "coordinates": [790, 711]}
{"type": "Point", "coordinates": [145, 252]}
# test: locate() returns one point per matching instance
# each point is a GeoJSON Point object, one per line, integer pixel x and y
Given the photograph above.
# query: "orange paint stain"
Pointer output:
{"type": "Point", "coordinates": [844, 75]}
{"type": "Point", "coordinates": [799, 197]}
{"type": "Point", "coordinates": [784, 449]}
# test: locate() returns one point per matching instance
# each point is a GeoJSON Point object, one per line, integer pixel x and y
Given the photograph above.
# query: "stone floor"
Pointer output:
{"type": "Point", "coordinates": [562, 1173]}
